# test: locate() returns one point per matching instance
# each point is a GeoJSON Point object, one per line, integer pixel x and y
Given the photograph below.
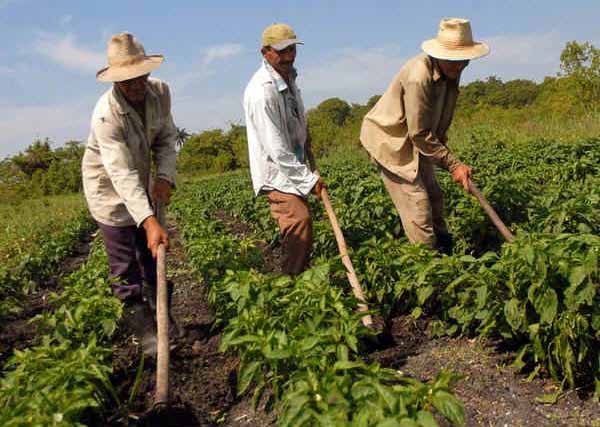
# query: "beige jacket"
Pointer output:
{"type": "Point", "coordinates": [412, 118]}
{"type": "Point", "coordinates": [116, 165]}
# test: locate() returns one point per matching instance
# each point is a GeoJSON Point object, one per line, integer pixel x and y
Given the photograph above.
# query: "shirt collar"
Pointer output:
{"type": "Point", "coordinates": [276, 77]}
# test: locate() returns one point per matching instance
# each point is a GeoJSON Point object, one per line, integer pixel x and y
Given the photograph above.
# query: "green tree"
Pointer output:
{"type": "Point", "coordinates": [209, 152]}
{"type": "Point", "coordinates": [325, 122]}
{"type": "Point", "coordinates": [581, 63]}
{"type": "Point", "coordinates": [182, 136]}
{"type": "Point", "coordinates": [37, 156]}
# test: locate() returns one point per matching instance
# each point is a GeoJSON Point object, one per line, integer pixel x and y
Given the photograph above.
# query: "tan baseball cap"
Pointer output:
{"type": "Point", "coordinates": [279, 36]}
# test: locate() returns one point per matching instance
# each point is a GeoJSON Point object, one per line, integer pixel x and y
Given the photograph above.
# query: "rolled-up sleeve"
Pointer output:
{"type": "Point", "coordinates": [164, 144]}
{"type": "Point", "coordinates": [120, 167]}
{"type": "Point", "coordinates": [268, 121]}
{"type": "Point", "coordinates": [419, 103]}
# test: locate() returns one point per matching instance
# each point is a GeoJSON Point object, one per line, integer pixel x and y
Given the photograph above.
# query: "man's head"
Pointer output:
{"type": "Point", "coordinates": [454, 46]}
{"type": "Point", "coordinates": [452, 69]}
{"type": "Point", "coordinates": [128, 66]}
{"type": "Point", "coordinates": [279, 47]}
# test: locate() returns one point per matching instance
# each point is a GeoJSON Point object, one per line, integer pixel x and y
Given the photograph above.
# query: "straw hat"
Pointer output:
{"type": "Point", "coordinates": [454, 42]}
{"type": "Point", "coordinates": [127, 59]}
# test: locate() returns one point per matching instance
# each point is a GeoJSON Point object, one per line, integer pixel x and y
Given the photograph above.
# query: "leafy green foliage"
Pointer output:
{"type": "Point", "coordinates": [581, 63]}
{"type": "Point", "coordinates": [539, 294]}
{"type": "Point", "coordinates": [59, 380]}
{"type": "Point", "coordinates": [33, 261]}
{"type": "Point", "coordinates": [40, 171]}
{"type": "Point", "coordinates": [298, 339]}
{"type": "Point", "coordinates": [214, 151]}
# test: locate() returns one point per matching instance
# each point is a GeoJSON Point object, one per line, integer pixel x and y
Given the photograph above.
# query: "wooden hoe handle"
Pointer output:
{"type": "Point", "coordinates": [161, 397]}
{"type": "Point", "coordinates": [339, 237]}
{"type": "Point", "coordinates": [489, 210]}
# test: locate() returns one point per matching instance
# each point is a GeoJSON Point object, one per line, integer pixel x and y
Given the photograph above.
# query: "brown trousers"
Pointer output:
{"type": "Point", "coordinates": [420, 203]}
{"type": "Point", "coordinates": [295, 227]}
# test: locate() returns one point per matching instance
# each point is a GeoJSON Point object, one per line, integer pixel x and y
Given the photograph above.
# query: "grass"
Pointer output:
{"type": "Point", "coordinates": [517, 126]}
{"type": "Point", "coordinates": [23, 224]}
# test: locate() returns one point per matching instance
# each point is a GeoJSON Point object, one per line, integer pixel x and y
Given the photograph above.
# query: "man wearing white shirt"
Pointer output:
{"type": "Point", "coordinates": [279, 145]}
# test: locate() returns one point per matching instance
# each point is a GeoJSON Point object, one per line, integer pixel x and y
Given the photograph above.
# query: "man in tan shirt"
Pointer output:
{"type": "Point", "coordinates": [131, 125]}
{"type": "Point", "coordinates": [406, 131]}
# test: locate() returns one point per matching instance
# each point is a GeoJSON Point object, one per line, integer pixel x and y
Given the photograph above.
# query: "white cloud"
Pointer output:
{"type": "Point", "coordinates": [221, 52]}
{"type": "Point", "coordinates": [351, 74]}
{"type": "Point", "coordinates": [205, 66]}
{"type": "Point", "coordinates": [64, 50]}
{"type": "Point", "coordinates": [6, 70]}
{"type": "Point", "coordinates": [19, 126]}
{"type": "Point", "coordinates": [529, 56]}
{"type": "Point", "coordinates": [65, 20]}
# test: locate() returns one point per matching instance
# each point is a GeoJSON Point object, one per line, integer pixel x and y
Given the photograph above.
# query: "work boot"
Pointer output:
{"type": "Point", "coordinates": [444, 242]}
{"type": "Point", "coordinates": [139, 320]}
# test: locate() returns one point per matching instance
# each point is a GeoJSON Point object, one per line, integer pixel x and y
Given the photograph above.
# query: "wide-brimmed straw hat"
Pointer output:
{"type": "Point", "coordinates": [127, 59]}
{"type": "Point", "coordinates": [454, 42]}
{"type": "Point", "coordinates": [279, 36]}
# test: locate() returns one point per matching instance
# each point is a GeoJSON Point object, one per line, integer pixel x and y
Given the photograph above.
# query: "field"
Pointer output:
{"type": "Point", "coordinates": [497, 333]}
{"type": "Point", "coordinates": [37, 234]}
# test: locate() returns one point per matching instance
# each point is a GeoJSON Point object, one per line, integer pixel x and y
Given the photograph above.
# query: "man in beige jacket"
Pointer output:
{"type": "Point", "coordinates": [406, 131]}
{"type": "Point", "coordinates": [131, 123]}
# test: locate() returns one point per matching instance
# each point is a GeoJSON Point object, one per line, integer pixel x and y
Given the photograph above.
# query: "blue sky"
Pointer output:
{"type": "Point", "coordinates": [51, 50]}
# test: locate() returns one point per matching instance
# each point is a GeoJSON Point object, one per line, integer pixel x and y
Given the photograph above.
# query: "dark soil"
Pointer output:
{"type": "Point", "coordinates": [16, 332]}
{"type": "Point", "coordinates": [493, 394]}
{"type": "Point", "coordinates": [271, 253]}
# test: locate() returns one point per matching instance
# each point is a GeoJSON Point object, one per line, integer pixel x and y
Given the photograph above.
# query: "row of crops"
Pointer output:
{"type": "Point", "coordinates": [538, 295]}
{"type": "Point", "coordinates": [299, 339]}
{"type": "Point", "coordinates": [36, 236]}
{"type": "Point", "coordinates": [64, 379]}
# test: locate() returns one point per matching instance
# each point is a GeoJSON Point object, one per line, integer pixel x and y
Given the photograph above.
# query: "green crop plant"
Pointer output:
{"type": "Point", "coordinates": [66, 375]}
{"type": "Point", "coordinates": [538, 294]}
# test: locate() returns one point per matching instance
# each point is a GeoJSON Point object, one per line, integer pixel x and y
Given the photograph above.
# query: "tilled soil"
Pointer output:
{"type": "Point", "coordinates": [493, 394]}
{"type": "Point", "coordinates": [17, 332]}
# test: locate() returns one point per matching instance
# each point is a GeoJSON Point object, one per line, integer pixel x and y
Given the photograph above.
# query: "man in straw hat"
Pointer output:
{"type": "Point", "coordinates": [406, 131]}
{"type": "Point", "coordinates": [131, 123]}
{"type": "Point", "coordinates": [279, 145]}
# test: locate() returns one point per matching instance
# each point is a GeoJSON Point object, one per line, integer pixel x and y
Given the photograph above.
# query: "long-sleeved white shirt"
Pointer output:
{"type": "Point", "coordinates": [116, 166]}
{"type": "Point", "coordinates": [276, 128]}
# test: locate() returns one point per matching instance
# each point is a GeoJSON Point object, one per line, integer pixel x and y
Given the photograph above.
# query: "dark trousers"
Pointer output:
{"type": "Point", "coordinates": [130, 260]}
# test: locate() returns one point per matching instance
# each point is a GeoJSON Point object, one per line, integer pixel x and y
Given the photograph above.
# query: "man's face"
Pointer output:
{"type": "Point", "coordinates": [134, 89]}
{"type": "Point", "coordinates": [452, 69]}
{"type": "Point", "coordinates": [281, 60]}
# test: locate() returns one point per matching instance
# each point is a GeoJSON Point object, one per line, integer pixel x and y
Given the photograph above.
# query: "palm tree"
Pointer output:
{"type": "Point", "coordinates": [182, 137]}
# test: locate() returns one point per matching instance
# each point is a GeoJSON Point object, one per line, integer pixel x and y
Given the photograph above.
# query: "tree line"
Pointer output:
{"type": "Point", "coordinates": [334, 125]}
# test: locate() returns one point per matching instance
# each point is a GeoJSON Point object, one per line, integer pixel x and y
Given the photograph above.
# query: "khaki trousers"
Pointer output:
{"type": "Point", "coordinates": [295, 227]}
{"type": "Point", "coordinates": [420, 203]}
